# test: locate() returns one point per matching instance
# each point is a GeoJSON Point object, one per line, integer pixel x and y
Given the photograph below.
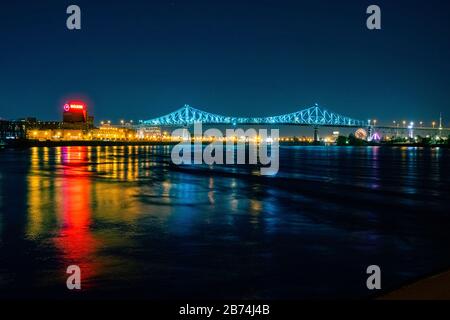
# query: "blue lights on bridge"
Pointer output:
{"type": "Point", "coordinates": [313, 116]}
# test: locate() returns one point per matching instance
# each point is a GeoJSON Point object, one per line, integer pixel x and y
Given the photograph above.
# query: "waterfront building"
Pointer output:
{"type": "Point", "coordinates": [150, 133]}
{"type": "Point", "coordinates": [12, 130]}
{"type": "Point", "coordinates": [75, 116]}
{"type": "Point", "coordinates": [57, 134]}
{"type": "Point", "coordinates": [110, 133]}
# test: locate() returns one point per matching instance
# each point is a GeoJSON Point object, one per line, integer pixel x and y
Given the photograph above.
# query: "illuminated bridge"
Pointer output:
{"type": "Point", "coordinates": [313, 116]}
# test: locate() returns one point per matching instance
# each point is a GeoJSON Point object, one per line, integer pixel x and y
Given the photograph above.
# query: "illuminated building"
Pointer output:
{"type": "Point", "coordinates": [109, 133]}
{"type": "Point", "coordinates": [150, 133]}
{"type": "Point", "coordinates": [75, 116]}
{"type": "Point", "coordinates": [75, 112]}
{"type": "Point", "coordinates": [57, 134]}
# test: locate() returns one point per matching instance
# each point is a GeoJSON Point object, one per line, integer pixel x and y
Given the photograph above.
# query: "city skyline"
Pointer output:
{"type": "Point", "coordinates": [233, 59]}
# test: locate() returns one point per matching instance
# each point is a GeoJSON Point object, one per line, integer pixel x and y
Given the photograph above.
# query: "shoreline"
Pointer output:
{"type": "Point", "coordinates": [95, 143]}
{"type": "Point", "coordinates": [431, 287]}
{"type": "Point", "coordinates": [52, 144]}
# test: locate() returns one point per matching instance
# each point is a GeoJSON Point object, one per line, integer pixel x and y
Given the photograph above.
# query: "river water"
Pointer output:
{"type": "Point", "coordinates": [140, 227]}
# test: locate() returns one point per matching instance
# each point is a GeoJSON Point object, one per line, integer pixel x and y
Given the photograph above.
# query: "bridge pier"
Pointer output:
{"type": "Point", "coordinates": [369, 133]}
{"type": "Point", "coordinates": [316, 134]}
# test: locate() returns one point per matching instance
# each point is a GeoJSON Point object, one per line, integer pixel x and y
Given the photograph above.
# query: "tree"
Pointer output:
{"type": "Point", "coordinates": [341, 141]}
{"type": "Point", "coordinates": [354, 141]}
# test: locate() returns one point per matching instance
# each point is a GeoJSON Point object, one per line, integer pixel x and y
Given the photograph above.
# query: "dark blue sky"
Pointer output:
{"type": "Point", "coordinates": [141, 59]}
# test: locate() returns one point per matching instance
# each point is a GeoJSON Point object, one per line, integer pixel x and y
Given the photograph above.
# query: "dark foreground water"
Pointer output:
{"type": "Point", "coordinates": [139, 227]}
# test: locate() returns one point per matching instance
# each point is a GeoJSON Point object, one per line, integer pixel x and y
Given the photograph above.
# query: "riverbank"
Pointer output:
{"type": "Point", "coordinates": [37, 143]}
{"type": "Point", "coordinates": [436, 287]}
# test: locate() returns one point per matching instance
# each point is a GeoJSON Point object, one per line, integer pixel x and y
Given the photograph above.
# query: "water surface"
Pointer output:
{"type": "Point", "coordinates": [140, 227]}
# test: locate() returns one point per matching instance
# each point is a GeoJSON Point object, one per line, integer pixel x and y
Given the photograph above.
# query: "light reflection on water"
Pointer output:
{"type": "Point", "coordinates": [137, 226]}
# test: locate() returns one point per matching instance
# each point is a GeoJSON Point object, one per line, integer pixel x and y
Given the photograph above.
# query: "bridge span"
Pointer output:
{"type": "Point", "coordinates": [313, 116]}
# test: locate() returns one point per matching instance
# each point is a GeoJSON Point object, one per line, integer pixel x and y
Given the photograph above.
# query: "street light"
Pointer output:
{"type": "Point", "coordinates": [404, 123]}
{"type": "Point", "coordinates": [374, 122]}
{"type": "Point", "coordinates": [434, 124]}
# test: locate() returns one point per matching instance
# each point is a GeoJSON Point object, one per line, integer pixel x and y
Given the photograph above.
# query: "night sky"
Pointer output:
{"type": "Point", "coordinates": [141, 59]}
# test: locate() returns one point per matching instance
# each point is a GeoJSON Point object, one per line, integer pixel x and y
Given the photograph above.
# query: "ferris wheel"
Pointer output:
{"type": "Point", "coordinates": [361, 134]}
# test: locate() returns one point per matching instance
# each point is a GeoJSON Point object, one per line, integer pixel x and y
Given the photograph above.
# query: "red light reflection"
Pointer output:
{"type": "Point", "coordinates": [75, 239]}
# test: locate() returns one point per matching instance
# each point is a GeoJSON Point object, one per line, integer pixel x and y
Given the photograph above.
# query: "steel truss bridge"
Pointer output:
{"type": "Point", "coordinates": [313, 116]}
